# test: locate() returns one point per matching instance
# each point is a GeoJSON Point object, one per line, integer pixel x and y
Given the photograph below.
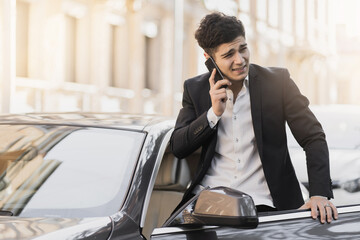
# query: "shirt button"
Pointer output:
{"type": "Point", "coordinates": [238, 161]}
{"type": "Point", "coordinates": [234, 117]}
{"type": "Point", "coordinates": [236, 139]}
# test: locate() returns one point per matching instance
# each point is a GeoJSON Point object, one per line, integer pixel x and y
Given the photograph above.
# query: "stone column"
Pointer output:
{"type": "Point", "coordinates": [166, 71]}
{"type": "Point", "coordinates": [178, 49]}
{"type": "Point", "coordinates": [136, 60]}
{"type": "Point", "coordinates": [8, 61]}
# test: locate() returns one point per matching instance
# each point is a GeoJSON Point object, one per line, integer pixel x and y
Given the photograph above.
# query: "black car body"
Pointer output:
{"type": "Point", "coordinates": [112, 176]}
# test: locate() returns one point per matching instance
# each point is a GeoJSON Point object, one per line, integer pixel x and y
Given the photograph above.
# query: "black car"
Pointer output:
{"type": "Point", "coordinates": [112, 176]}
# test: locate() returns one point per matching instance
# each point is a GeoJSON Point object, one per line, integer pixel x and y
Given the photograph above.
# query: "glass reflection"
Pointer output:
{"type": "Point", "coordinates": [65, 171]}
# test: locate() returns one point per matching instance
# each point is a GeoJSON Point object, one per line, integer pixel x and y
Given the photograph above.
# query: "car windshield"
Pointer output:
{"type": "Point", "coordinates": [65, 171]}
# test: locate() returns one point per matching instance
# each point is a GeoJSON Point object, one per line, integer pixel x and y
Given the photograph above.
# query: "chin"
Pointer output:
{"type": "Point", "coordinates": [239, 78]}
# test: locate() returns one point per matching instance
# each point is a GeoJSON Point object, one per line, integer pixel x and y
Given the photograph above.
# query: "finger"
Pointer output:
{"type": "Point", "coordinates": [219, 92]}
{"type": "Point", "coordinates": [212, 78]}
{"type": "Point", "coordinates": [221, 83]}
{"type": "Point", "coordinates": [328, 210]}
{"type": "Point", "coordinates": [334, 210]}
{"type": "Point", "coordinates": [314, 211]}
{"type": "Point", "coordinates": [321, 208]}
{"type": "Point", "coordinates": [215, 91]}
{"type": "Point", "coordinates": [220, 97]}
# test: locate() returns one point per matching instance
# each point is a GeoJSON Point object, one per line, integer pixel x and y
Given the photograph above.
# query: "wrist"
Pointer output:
{"type": "Point", "coordinates": [318, 196]}
{"type": "Point", "coordinates": [212, 118]}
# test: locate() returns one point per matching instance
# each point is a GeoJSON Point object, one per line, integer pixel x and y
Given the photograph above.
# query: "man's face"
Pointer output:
{"type": "Point", "coordinates": [233, 59]}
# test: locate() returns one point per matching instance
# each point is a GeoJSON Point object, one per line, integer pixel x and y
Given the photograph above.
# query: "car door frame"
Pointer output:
{"type": "Point", "coordinates": [299, 220]}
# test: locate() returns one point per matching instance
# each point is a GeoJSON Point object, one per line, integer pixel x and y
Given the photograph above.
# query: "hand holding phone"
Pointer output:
{"type": "Point", "coordinates": [210, 64]}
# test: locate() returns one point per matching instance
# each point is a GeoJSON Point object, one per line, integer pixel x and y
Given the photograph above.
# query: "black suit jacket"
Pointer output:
{"type": "Point", "coordinates": [275, 100]}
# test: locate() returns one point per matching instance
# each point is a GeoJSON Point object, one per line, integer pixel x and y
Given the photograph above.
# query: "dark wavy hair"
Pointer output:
{"type": "Point", "coordinates": [217, 28]}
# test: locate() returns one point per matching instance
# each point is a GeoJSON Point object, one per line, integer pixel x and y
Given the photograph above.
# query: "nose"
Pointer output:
{"type": "Point", "coordinates": [239, 59]}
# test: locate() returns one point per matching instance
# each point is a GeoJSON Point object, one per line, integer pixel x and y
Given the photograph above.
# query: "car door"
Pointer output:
{"type": "Point", "coordinates": [281, 225]}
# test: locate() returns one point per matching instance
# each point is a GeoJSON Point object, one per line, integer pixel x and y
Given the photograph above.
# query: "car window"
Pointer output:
{"type": "Point", "coordinates": [67, 171]}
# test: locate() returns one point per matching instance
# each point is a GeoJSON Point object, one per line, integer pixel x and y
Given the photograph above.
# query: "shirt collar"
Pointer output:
{"type": "Point", "coordinates": [246, 81]}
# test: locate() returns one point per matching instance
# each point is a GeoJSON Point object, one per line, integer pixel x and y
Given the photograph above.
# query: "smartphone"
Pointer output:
{"type": "Point", "coordinates": [210, 64]}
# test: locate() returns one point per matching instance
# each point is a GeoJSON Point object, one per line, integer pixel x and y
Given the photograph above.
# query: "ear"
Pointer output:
{"type": "Point", "coordinates": [206, 55]}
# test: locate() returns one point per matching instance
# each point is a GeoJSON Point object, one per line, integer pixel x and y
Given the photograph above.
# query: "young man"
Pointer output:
{"type": "Point", "coordinates": [241, 128]}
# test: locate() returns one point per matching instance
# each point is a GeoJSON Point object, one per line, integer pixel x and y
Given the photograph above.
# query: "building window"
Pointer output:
{"type": "Point", "coordinates": [151, 77]}
{"type": "Point", "coordinates": [152, 56]}
{"type": "Point", "coordinates": [300, 18]}
{"type": "Point", "coordinates": [273, 13]}
{"type": "Point", "coordinates": [118, 56]}
{"type": "Point", "coordinates": [112, 55]}
{"type": "Point", "coordinates": [261, 9]}
{"type": "Point", "coordinates": [287, 16]}
{"type": "Point", "coordinates": [70, 48]}
{"type": "Point", "coordinates": [22, 38]}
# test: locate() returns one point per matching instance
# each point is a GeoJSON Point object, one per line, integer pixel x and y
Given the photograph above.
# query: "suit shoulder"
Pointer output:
{"type": "Point", "coordinates": [269, 70]}
{"type": "Point", "coordinates": [198, 81]}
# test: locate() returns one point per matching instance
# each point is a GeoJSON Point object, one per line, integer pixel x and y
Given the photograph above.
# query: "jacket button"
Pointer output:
{"type": "Point", "coordinates": [198, 129]}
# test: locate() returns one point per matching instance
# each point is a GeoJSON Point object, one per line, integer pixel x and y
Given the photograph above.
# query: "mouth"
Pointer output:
{"type": "Point", "coordinates": [240, 69]}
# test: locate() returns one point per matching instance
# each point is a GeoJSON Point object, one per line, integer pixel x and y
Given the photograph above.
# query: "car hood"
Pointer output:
{"type": "Point", "coordinates": [54, 228]}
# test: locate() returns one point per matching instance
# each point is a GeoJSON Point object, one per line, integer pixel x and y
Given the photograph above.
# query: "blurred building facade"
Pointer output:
{"type": "Point", "coordinates": [92, 55]}
{"type": "Point", "coordinates": [299, 35]}
{"type": "Point", "coordinates": [133, 55]}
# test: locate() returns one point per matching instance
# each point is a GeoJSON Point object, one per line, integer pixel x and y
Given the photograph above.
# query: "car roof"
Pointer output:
{"type": "Point", "coordinates": [87, 119]}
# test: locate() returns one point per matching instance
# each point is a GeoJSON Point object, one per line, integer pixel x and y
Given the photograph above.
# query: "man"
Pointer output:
{"type": "Point", "coordinates": [241, 128]}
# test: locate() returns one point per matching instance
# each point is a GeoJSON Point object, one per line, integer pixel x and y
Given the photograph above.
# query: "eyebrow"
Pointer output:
{"type": "Point", "coordinates": [241, 46]}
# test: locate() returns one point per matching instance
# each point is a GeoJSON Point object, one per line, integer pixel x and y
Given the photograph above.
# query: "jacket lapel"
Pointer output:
{"type": "Point", "coordinates": [255, 102]}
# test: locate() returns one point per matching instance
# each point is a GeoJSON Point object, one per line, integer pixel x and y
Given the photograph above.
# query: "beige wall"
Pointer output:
{"type": "Point", "coordinates": [112, 55]}
{"type": "Point", "coordinates": [97, 55]}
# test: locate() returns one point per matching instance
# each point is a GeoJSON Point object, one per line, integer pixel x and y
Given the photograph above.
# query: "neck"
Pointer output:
{"type": "Point", "coordinates": [236, 87]}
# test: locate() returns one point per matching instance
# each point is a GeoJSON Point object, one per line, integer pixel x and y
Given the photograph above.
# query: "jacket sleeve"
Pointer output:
{"type": "Point", "coordinates": [309, 134]}
{"type": "Point", "coordinates": [192, 128]}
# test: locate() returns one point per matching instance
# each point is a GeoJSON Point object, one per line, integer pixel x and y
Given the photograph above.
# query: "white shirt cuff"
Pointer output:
{"type": "Point", "coordinates": [212, 118]}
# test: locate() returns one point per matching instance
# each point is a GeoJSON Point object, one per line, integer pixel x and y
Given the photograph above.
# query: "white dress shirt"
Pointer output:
{"type": "Point", "coordinates": [236, 162]}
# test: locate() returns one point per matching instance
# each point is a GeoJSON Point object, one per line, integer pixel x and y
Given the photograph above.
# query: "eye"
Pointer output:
{"type": "Point", "coordinates": [229, 54]}
{"type": "Point", "coordinates": [243, 49]}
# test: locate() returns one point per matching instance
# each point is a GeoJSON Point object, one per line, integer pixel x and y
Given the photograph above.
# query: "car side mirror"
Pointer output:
{"type": "Point", "coordinates": [220, 206]}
